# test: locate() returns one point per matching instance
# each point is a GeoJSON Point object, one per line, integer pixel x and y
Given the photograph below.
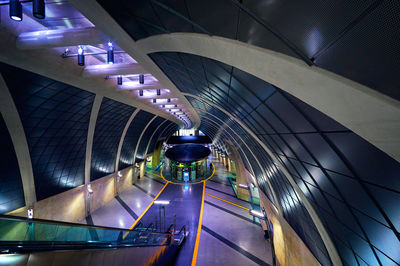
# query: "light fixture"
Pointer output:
{"type": "Point", "coordinates": [154, 100]}
{"type": "Point", "coordinates": [176, 106]}
{"type": "Point", "coordinates": [110, 53]}
{"type": "Point", "coordinates": [140, 92]}
{"type": "Point", "coordinates": [163, 106]}
{"type": "Point", "coordinates": [89, 189]}
{"type": "Point", "coordinates": [119, 173]}
{"type": "Point", "coordinates": [179, 109]}
{"type": "Point", "coordinates": [119, 80]}
{"type": "Point", "coordinates": [257, 214]}
{"type": "Point", "coordinates": [141, 78]}
{"type": "Point", "coordinates": [81, 56]}
{"type": "Point", "coordinates": [38, 9]}
{"type": "Point", "coordinates": [161, 202]}
{"type": "Point", "coordinates": [169, 100]}
{"type": "Point", "coordinates": [30, 213]}
{"type": "Point", "coordinates": [243, 186]}
{"type": "Point", "coordinates": [158, 92]}
{"type": "Point", "coordinates": [15, 10]}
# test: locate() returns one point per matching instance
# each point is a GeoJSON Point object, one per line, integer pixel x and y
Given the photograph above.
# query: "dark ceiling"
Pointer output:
{"type": "Point", "coordinates": [357, 39]}
{"type": "Point", "coordinates": [326, 159]}
{"type": "Point", "coordinates": [353, 186]}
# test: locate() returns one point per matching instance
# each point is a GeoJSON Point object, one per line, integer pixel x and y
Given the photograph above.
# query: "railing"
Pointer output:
{"type": "Point", "coordinates": [19, 234]}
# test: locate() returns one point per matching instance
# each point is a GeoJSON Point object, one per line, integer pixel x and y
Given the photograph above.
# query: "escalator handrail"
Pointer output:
{"type": "Point", "coordinates": [44, 221]}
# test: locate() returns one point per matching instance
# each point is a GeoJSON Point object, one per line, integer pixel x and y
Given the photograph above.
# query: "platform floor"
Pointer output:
{"type": "Point", "coordinates": [228, 236]}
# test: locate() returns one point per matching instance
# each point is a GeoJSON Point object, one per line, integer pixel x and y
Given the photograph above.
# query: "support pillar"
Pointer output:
{"type": "Point", "coordinates": [156, 155]}
{"type": "Point", "coordinates": [142, 167]}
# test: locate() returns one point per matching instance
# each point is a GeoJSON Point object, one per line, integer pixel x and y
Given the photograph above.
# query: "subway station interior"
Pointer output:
{"type": "Point", "coordinates": [188, 132]}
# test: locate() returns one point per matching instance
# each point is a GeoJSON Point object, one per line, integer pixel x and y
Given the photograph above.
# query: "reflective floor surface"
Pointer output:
{"type": "Point", "coordinates": [229, 236]}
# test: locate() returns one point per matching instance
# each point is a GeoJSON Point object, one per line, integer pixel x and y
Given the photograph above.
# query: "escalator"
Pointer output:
{"type": "Point", "coordinates": [42, 242]}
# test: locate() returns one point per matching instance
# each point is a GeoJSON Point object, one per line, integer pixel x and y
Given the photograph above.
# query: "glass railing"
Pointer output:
{"type": "Point", "coordinates": [18, 233]}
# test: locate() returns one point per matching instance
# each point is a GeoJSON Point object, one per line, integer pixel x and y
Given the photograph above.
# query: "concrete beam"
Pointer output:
{"type": "Point", "coordinates": [330, 246]}
{"type": "Point", "coordinates": [109, 70]}
{"type": "Point", "coordinates": [92, 10]}
{"type": "Point", "coordinates": [279, 207]}
{"type": "Point", "coordinates": [60, 38]}
{"type": "Point", "coordinates": [50, 64]}
{"type": "Point", "coordinates": [14, 125]}
{"type": "Point", "coordinates": [152, 135]}
{"type": "Point", "coordinates": [368, 113]}
{"type": "Point", "coordinates": [121, 141]}
{"type": "Point", "coordinates": [140, 139]}
{"type": "Point", "coordinates": [89, 142]}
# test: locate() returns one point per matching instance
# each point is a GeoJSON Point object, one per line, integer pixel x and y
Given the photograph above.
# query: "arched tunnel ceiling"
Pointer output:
{"type": "Point", "coordinates": [326, 159]}
{"type": "Point", "coordinates": [350, 38]}
{"type": "Point", "coordinates": [329, 184]}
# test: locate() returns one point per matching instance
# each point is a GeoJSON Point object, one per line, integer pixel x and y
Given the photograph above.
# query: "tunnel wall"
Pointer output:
{"type": "Point", "coordinates": [55, 119]}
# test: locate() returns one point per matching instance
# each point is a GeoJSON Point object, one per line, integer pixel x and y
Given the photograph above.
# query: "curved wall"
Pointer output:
{"type": "Point", "coordinates": [110, 123]}
{"type": "Point", "coordinates": [11, 190]}
{"type": "Point", "coordinates": [328, 161]}
{"type": "Point", "coordinates": [55, 118]}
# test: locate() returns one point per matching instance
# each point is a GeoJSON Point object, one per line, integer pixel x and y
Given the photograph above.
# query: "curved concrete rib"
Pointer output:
{"type": "Point", "coordinates": [368, 113]}
{"type": "Point", "coordinates": [140, 138]}
{"type": "Point", "coordinates": [121, 140]}
{"type": "Point", "coordinates": [152, 135]}
{"type": "Point", "coordinates": [14, 125]}
{"type": "Point", "coordinates": [330, 246]}
{"type": "Point", "coordinates": [93, 11]}
{"type": "Point", "coordinates": [89, 141]}
{"type": "Point", "coordinates": [279, 207]}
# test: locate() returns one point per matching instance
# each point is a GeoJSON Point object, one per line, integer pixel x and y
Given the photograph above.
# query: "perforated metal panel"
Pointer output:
{"type": "Point", "coordinates": [358, 39]}
{"type": "Point", "coordinates": [110, 123]}
{"type": "Point", "coordinates": [11, 190]}
{"type": "Point", "coordinates": [146, 137]}
{"type": "Point", "coordinates": [328, 161]}
{"type": "Point", "coordinates": [55, 117]}
{"type": "Point", "coordinates": [132, 136]}
{"type": "Point", "coordinates": [157, 135]}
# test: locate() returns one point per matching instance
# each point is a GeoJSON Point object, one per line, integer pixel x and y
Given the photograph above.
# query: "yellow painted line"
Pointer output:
{"type": "Point", "coordinates": [162, 176]}
{"type": "Point", "coordinates": [228, 202]}
{"type": "Point", "coordinates": [143, 213]}
{"type": "Point", "coordinates": [153, 173]}
{"type": "Point", "coordinates": [196, 247]}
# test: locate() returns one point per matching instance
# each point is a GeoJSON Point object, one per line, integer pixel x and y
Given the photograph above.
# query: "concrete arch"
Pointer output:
{"type": "Point", "coordinates": [257, 161]}
{"type": "Point", "coordinates": [370, 114]}
{"type": "Point", "coordinates": [140, 138]}
{"type": "Point", "coordinates": [89, 141]}
{"type": "Point", "coordinates": [152, 135]}
{"type": "Point", "coordinates": [330, 246]}
{"type": "Point", "coordinates": [121, 141]}
{"type": "Point", "coordinates": [16, 129]}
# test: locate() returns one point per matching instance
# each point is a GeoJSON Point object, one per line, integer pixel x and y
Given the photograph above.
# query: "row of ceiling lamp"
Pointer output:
{"type": "Point", "coordinates": [38, 11]}
{"type": "Point", "coordinates": [15, 11]}
{"type": "Point", "coordinates": [110, 60]}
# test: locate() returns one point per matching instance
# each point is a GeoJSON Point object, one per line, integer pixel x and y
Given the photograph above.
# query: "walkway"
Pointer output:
{"type": "Point", "coordinates": [228, 234]}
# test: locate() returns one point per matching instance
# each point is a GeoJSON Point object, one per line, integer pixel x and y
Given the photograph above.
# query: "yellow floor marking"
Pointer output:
{"type": "Point", "coordinates": [196, 247]}
{"type": "Point", "coordinates": [143, 213]}
{"type": "Point", "coordinates": [228, 202]}
{"type": "Point", "coordinates": [152, 173]}
{"type": "Point", "coordinates": [162, 176]}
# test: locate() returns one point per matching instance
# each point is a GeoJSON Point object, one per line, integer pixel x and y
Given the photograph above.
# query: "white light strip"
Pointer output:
{"type": "Point", "coordinates": [161, 202]}
{"type": "Point", "coordinates": [257, 214]}
{"type": "Point", "coordinates": [243, 186]}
